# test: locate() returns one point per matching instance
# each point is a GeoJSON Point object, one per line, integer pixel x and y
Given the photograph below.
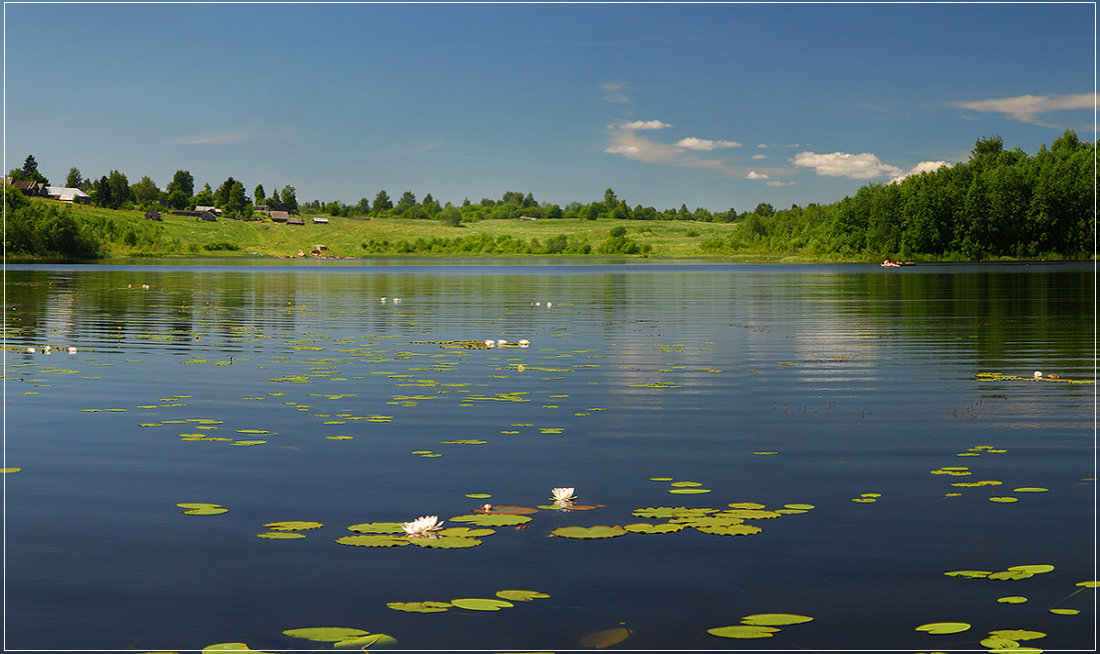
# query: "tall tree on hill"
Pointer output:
{"type": "Point", "coordinates": [183, 182]}
{"type": "Point", "coordinates": [145, 191]}
{"type": "Point", "coordinates": [29, 172]}
{"type": "Point", "coordinates": [120, 189]}
{"type": "Point", "coordinates": [289, 198]}
{"type": "Point", "coordinates": [258, 194]}
{"type": "Point", "coordinates": [382, 203]}
{"type": "Point", "coordinates": [74, 179]}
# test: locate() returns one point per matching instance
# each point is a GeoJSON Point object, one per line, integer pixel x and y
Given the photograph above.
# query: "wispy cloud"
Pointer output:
{"type": "Point", "coordinates": [843, 164]}
{"type": "Point", "coordinates": [249, 134]}
{"type": "Point", "coordinates": [629, 140]}
{"type": "Point", "coordinates": [1028, 108]}
{"type": "Point", "coordinates": [614, 92]}
{"type": "Point", "coordinates": [692, 143]}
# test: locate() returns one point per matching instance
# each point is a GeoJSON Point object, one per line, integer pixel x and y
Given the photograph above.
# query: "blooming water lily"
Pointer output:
{"type": "Point", "coordinates": [422, 526]}
{"type": "Point", "coordinates": [562, 496]}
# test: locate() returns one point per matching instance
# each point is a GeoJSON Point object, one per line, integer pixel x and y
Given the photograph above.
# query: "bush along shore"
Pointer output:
{"type": "Point", "coordinates": [1000, 205]}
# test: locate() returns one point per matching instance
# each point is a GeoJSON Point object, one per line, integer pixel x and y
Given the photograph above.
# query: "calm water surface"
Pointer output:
{"type": "Point", "coordinates": [774, 385]}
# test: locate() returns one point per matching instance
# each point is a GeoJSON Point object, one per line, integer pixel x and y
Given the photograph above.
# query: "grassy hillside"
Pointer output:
{"type": "Point", "coordinates": [128, 233]}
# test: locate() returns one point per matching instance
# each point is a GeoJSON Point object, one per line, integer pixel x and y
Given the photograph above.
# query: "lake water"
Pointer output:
{"type": "Point", "coordinates": [778, 385]}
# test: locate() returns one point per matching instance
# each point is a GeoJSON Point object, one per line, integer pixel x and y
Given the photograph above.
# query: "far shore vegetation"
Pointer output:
{"type": "Point", "coordinates": [1000, 205]}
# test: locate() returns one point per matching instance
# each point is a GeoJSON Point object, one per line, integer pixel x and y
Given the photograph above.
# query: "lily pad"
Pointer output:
{"type": "Point", "coordinates": [281, 535]}
{"type": "Point", "coordinates": [944, 627]}
{"type": "Point", "coordinates": [5, 471]}
{"type": "Point", "coordinates": [597, 531]}
{"type": "Point", "coordinates": [1004, 500]}
{"type": "Point", "coordinates": [446, 542]}
{"type": "Point", "coordinates": [746, 505]}
{"type": "Point", "coordinates": [363, 642]}
{"type": "Point", "coordinates": [1018, 634]}
{"type": "Point", "coordinates": [1012, 599]}
{"type": "Point", "coordinates": [1030, 489]}
{"type": "Point", "coordinates": [292, 525]}
{"type": "Point", "coordinates": [1039, 568]}
{"type": "Point", "coordinates": [373, 540]}
{"type": "Point", "coordinates": [688, 491]}
{"type": "Point", "coordinates": [999, 643]}
{"type": "Point", "coordinates": [1011, 575]}
{"type": "Point", "coordinates": [202, 508]}
{"type": "Point", "coordinates": [503, 509]}
{"type": "Point", "coordinates": [804, 507]}
{"type": "Point", "coordinates": [743, 631]}
{"type": "Point", "coordinates": [751, 514]}
{"type": "Point", "coordinates": [420, 607]}
{"type": "Point", "coordinates": [325, 634]}
{"type": "Point", "coordinates": [665, 512]}
{"type": "Point", "coordinates": [481, 604]}
{"type": "Point", "coordinates": [775, 619]}
{"type": "Point", "coordinates": [465, 532]}
{"type": "Point", "coordinates": [377, 528]}
{"type": "Point", "coordinates": [647, 528]}
{"type": "Point", "coordinates": [729, 530]}
{"type": "Point", "coordinates": [1065, 611]}
{"type": "Point", "coordinates": [521, 595]}
{"type": "Point", "coordinates": [972, 574]}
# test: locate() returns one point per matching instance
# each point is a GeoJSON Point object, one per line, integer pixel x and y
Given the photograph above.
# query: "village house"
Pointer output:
{"type": "Point", "coordinates": [67, 194]}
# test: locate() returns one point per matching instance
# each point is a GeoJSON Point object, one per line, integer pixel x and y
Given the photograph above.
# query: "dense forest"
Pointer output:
{"type": "Point", "coordinates": [1000, 204]}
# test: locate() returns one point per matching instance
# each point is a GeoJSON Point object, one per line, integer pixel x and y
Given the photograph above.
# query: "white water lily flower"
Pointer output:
{"type": "Point", "coordinates": [422, 526]}
{"type": "Point", "coordinates": [562, 495]}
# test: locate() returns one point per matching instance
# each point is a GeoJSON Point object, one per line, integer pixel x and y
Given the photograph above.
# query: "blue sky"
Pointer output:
{"type": "Point", "coordinates": [708, 105]}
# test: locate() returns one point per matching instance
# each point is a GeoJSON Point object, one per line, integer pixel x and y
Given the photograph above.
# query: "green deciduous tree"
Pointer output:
{"type": "Point", "coordinates": [183, 182]}
{"type": "Point", "coordinates": [74, 178]}
{"type": "Point", "coordinates": [145, 191]}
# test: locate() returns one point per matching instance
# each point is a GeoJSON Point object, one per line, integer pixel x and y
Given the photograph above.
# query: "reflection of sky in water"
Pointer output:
{"type": "Point", "coordinates": [861, 380]}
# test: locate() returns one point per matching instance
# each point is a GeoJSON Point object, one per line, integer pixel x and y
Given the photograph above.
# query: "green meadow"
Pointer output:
{"type": "Point", "coordinates": [127, 233]}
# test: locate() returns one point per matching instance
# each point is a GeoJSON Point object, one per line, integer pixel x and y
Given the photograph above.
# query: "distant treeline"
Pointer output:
{"type": "Point", "coordinates": [1001, 203]}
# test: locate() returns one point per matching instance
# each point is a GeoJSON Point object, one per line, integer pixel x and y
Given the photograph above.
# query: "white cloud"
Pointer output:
{"type": "Point", "coordinates": [692, 143]}
{"type": "Point", "coordinates": [922, 167]}
{"type": "Point", "coordinates": [843, 164]}
{"type": "Point", "coordinates": [776, 182]}
{"type": "Point", "coordinates": [1026, 108]}
{"type": "Point", "coordinates": [644, 125]}
{"type": "Point", "coordinates": [755, 175]}
{"type": "Point", "coordinates": [759, 156]}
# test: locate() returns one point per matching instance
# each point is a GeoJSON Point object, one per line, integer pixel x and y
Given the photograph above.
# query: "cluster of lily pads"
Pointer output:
{"type": "Point", "coordinates": [1035, 376]}
{"type": "Point", "coordinates": [759, 625]}
{"type": "Point", "coordinates": [965, 471]}
{"type": "Point", "coordinates": [504, 599]}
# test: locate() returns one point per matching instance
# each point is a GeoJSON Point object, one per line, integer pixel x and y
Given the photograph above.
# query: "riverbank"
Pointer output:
{"type": "Point", "coordinates": [131, 233]}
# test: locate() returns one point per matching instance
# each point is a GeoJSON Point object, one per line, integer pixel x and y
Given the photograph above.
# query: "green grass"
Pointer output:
{"type": "Point", "coordinates": [127, 233]}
